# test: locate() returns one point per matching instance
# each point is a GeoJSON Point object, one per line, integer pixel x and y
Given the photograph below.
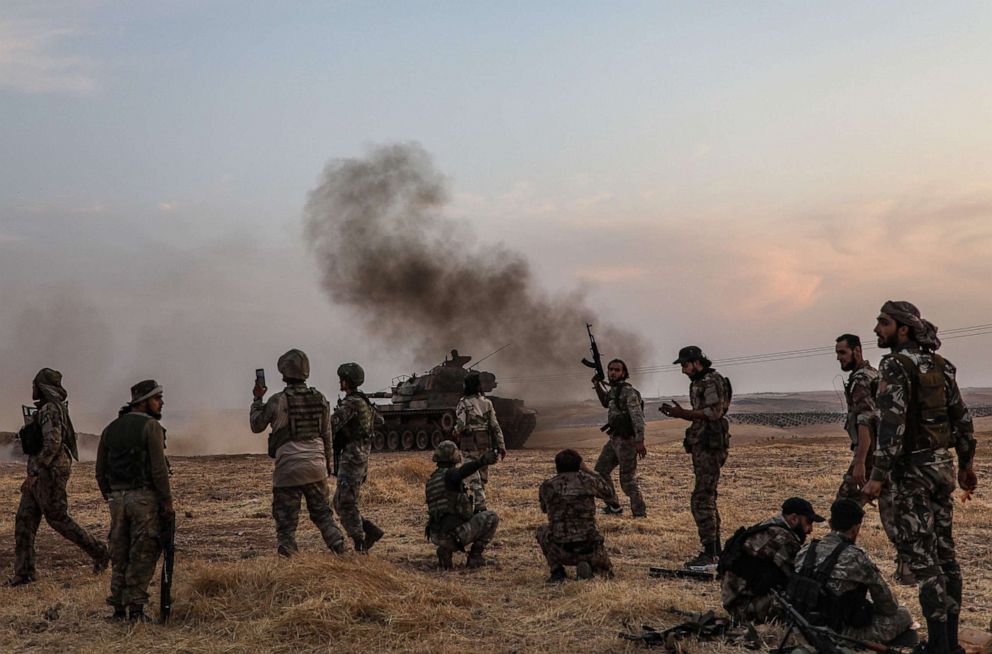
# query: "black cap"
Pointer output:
{"type": "Point", "coordinates": [844, 514]}
{"type": "Point", "coordinates": [800, 506]}
{"type": "Point", "coordinates": [689, 353]}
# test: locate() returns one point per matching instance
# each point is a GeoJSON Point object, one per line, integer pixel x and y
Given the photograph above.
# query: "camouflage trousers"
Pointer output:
{"type": "Point", "coordinates": [286, 512]}
{"type": "Point", "coordinates": [620, 452]}
{"type": "Point", "coordinates": [134, 545]}
{"type": "Point", "coordinates": [477, 531]}
{"type": "Point", "coordinates": [923, 517]}
{"type": "Point", "coordinates": [46, 497]}
{"type": "Point", "coordinates": [706, 465]}
{"type": "Point", "coordinates": [850, 490]}
{"type": "Point", "coordinates": [758, 609]}
{"type": "Point", "coordinates": [883, 628]}
{"type": "Point", "coordinates": [351, 476]}
{"type": "Point", "coordinates": [477, 481]}
{"type": "Point", "coordinates": [562, 554]}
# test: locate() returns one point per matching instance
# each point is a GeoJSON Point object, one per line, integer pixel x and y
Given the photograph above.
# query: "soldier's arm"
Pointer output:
{"type": "Point", "coordinates": [960, 417]}
{"type": "Point", "coordinates": [101, 466]}
{"type": "Point", "coordinates": [881, 595]}
{"type": "Point", "coordinates": [597, 485]}
{"type": "Point", "coordinates": [325, 429]}
{"type": "Point", "coordinates": [783, 548]}
{"type": "Point", "coordinates": [542, 494]}
{"type": "Point", "coordinates": [263, 413]}
{"type": "Point", "coordinates": [461, 416]}
{"type": "Point", "coordinates": [494, 429]}
{"type": "Point", "coordinates": [155, 440]}
{"type": "Point", "coordinates": [862, 401]}
{"type": "Point", "coordinates": [636, 413]}
{"type": "Point", "coordinates": [50, 421]}
{"type": "Point", "coordinates": [344, 412]}
{"type": "Point", "coordinates": [602, 394]}
{"type": "Point", "coordinates": [713, 392]}
{"type": "Point", "coordinates": [891, 402]}
{"type": "Point", "coordinates": [454, 476]}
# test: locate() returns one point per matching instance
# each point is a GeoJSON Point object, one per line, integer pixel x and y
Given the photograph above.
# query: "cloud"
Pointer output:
{"type": "Point", "coordinates": [32, 60]}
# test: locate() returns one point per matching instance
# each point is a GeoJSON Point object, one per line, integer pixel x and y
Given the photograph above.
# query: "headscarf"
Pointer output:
{"type": "Point", "coordinates": [49, 383]}
{"type": "Point", "coordinates": [923, 331]}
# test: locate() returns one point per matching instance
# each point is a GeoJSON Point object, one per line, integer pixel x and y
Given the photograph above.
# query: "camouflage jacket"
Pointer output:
{"type": "Point", "coordinates": [297, 462]}
{"type": "Point", "coordinates": [569, 499]}
{"type": "Point", "coordinates": [708, 392]}
{"type": "Point", "coordinates": [354, 416]}
{"type": "Point", "coordinates": [779, 544]}
{"type": "Point", "coordinates": [622, 401]}
{"type": "Point", "coordinates": [56, 441]}
{"type": "Point", "coordinates": [859, 391]}
{"type": "Point", "coordinates": [475, 414]}
{"type": "Point", "coordinates": [854, 570]}
{"type": "Point", "coordinates": [892, 400]}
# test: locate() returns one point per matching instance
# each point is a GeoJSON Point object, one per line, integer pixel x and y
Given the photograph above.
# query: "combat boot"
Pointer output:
{"type": "Point", "coordinates": [136, 614]}
{"type": "Point", "coordinates": [119, 615]}
{"type": "Point", "coordinates": [101, 562]}
{"type": "Point", "coordinates": [709, 556]}
{"type": "Point", "coordinates": [360, 545]}
{"type": "Point", "coordinates": [19, 580]}
{"type": "Point", "coordinates": [904, 575]}
{"type": "Point", "coordinates": [953, 646]}
{"type": "Point", "coordinates": [372, 533]}
{"type": "Point", "coordinates": [612, 509]}
{"type": "Point", "coordinates": [583, 570]}
{"type": "Point", "coordinates": [444, 558]}
{"type": "Point", "coordinates": [475, 558]}
{"type": "Point", "coordinates": [936, 642]}
{"type": "Point", "coordinates": [557, 576]}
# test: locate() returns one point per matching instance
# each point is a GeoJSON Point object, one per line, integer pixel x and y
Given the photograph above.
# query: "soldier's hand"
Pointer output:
{"type": "Point", "coordinates": [967, 479]}
{"type": "Point", "coordinates": [872, 489]}
{"type": "Point", "coordinates": [673, 410]}
{"type": "Point", "coordinates": [168, 511]}
{"type": "Point", "coordinates": [29, 483]}
{"type": "Point", "coordinates": [259, 390]}
{"type": "Point", "coordinates": [640, 449]}
{"type": "Point", "coordinates": [596, 380]}
{"type": "Point", "coordinates": [502, 453]}
{"type": "Point", "coordinates": [858, 474]}
{"type": "Point", "coordinates": [489, 457]}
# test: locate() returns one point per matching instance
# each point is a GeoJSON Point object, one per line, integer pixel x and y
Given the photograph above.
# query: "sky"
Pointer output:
{"type": "Point", "coordinates": [749, 177]}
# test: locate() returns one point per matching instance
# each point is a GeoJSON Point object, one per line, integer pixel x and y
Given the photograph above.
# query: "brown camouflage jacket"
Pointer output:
{"type": "Point", "coordinates": [569, 499]}
{"type": "Point", "coordinates": [859, 391]}
{"type": "Point", "coordinates": [707, 393]}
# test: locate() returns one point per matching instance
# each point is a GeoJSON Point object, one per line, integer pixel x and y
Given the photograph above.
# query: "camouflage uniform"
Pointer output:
{"type": "Point", "coordinates": [479, 432]}
{"type": "Point", "coordinates": [923, 478]}
{"type": "Point", "coordinates": [778, 545]}
{"type": "Point", "coordinates": [708, 442]}
{"type": "Point", "coordinates": [856, 574]}
{"type": "Point", "coordinates": [859, 391]}
{"type": "Point", "coordinates": [44, 491]}
{"type": "Point", "coordinates": [570, 537]}
{"type": "Point", "coordinates": [452, 521]}
{"type": "Point", "coordinates": [625, 416]}
{"type": "Point", "coordinates": [301, 469]}
{"type": "Point", "coordinates": [352, 424]}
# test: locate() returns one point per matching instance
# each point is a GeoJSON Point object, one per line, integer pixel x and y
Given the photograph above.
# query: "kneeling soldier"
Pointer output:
{"type": "Point", "coordinates": [452, 522]}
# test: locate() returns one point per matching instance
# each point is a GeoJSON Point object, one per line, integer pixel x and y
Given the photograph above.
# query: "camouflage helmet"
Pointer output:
{"type": "Point", "coordinates": [352, 373]}
{"type": "Point", "coordinates": [447, 452]}
{"type": "Point", "coordinates": [294, 365]}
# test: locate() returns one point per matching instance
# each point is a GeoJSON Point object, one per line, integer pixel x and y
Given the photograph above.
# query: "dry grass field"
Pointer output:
{"type": "Point", "coordinates": [233, 594]}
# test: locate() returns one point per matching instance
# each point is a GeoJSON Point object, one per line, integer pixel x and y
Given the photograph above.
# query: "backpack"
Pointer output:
{"type": "Point", "coordinates": [31, 438]}
{"type": "Point", "coordinates": [760, 574]}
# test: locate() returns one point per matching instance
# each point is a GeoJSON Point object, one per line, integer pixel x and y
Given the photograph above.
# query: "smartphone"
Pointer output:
{"type": "Point", "coordinates": [260, 377]}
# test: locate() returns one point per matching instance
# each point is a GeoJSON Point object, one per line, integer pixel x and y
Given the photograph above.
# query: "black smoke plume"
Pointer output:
{"type": "Point", "coordinates": [419, 281]}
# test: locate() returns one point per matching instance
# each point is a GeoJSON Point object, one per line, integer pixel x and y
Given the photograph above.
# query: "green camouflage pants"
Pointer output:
{"type": "Point", "coordinates": [47, 497]}
{"type": "Point", "coordinates": [849, 490]}
{"type": "Point", "coordinates": [562, 554]}
{"type": "Point", "coordinates": [923, 517]}
{"type": "Point", "coordinates": [477, 481]}
{"type": "Point", "coordinates": [286, 512]}
{"type": "Point", "coordinates": [134, 545]}
{"type": "Point", "coordinates": [883, 628]}
{"type": "Point", "coordinates": [706, 464]}
{"type": "Point", "coordinates": [352, 470]}
{"type": "Point", "coordinates": [476, 531]}
{"type": "Point", "coordinates": [620, 452]}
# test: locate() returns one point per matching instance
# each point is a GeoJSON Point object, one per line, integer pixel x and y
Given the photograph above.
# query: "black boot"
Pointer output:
{"type": "Point", "coordinates": [372, 533]}
{"type": "Point", "coordinates": [714, 548]}
{"type": "Point", "coordinates": [120, 615]}
{"type": "Point", "coordinates": [444, 558]}
{"type": "Point", "coordinates": [475, 558]}
{"type": "Point", "coordinates": [136, 613]}
{"type": "Point", "coordinates": [936, 638]}
{"type": "Point", "coordinates": [953, 619]}
{"type": "Point", "coordinates": [557, 576]}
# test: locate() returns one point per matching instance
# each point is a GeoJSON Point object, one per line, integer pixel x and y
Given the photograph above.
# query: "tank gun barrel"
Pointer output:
{"type": "Point", "coordinates": [382, 395]}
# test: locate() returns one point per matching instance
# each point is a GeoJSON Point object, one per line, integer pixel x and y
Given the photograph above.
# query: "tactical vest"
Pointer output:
{"type": "Point", "coordinates": [447, 509]}
{"type": "Point", "coordinates": [761, 574]}
{"type": "Point", "coordinates": [127, 452]}
{"type": "Point", "coordinates": [928, 425]}
{"type": "Point", "coordinates": [620, 423]}
{"type": "Point", "coordinates": [360, 426]}
{"type": "Point", "coordinates": [822, 606]}
{"type": "Point", "coordinates": [306, 409]}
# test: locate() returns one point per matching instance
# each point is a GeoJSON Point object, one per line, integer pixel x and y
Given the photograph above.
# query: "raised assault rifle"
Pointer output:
{"type": "Point", "coordinates": [168, 528]}
{"type": "Point", "coordinates": [823, 639]}
{"type": "Point", "coordinates": [597, 359]}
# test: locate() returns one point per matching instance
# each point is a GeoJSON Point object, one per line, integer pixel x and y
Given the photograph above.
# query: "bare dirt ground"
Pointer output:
{"type": "Point", "coordinates": [232, 594]}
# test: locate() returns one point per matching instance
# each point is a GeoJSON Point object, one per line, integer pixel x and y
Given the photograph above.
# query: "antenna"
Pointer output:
{"type": "Point", "coordinates": [491, 354]}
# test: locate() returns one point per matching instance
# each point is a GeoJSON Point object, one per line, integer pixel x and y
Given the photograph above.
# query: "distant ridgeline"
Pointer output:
{"type": "Point", "coordinates": [804, 418]}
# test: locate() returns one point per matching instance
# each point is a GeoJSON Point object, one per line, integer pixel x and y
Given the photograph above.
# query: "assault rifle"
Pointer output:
{"type": "Point", "coordinates": [168, 528]}
{"type": "Point", "coordinates": [823, 639]}
{"type": "Point", "coordinates": [597, 359]}
{"type": "Point", "coordinates": [699, 573]}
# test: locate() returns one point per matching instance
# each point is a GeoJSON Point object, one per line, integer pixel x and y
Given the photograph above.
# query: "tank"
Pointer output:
{"type": "Point", "coordinates": [421, 411]}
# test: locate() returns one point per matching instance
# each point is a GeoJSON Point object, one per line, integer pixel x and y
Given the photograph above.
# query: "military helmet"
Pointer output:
{"type": "Point", "coordinates": [447, 452]}
{"type": "Point", "coordinates": [294, 365]}
{"type": "Point", "coordinates": [352, 373]}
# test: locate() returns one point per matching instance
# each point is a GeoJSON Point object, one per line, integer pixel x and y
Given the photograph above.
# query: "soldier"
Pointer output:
{"type": "Point", "coordinates": [625, 426]}
{"type": "Point", "coordinates": [571, 537]}
{"type": "Point", "coordinates": [478, 432]}
{"type": "Point", "coordinates": [847, 576]}
{"type": "Point", "coordinates": [760, 558]}
{"type": "Point", "coordinates": [453, 522]}
{"type": "Point", "coordinates": [921, 416]}
{"type": "Point", "coordinates": [43, 491]}
{"type": "Point", "coordinates": [707, 439]}
{"type": "Point", "coordinates": [352, 424]}
{"type": "Point", "coordinates": [300, 442]}
{"type": "Point", "coordinates": [133, 475]}
{"type": "Point", "coordinates": [862, 426]}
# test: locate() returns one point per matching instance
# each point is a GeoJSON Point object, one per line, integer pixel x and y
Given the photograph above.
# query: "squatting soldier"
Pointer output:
{"type": "Point", "coordinates": [571, 537]}
{"type": "Point", "coordinates": [707, 439]}
{"type": "Point", "coordinates": [847, 577]}
{"type": "Point", "coordinates": [921, 417]}
{"type": "Point", "coordinates": [760, 558]}
{"type": "Point", "coordinates": [300, 442]}
{"type": "Point", "coordinates": [478, 432]}
{"type": "Point", "coordinates": [43, 491]}
{"type": "Point", "coordinates": [352, 424]}
{"type": "Point", "coordinates": [625, 426]}
{"type": "Point", "coordinates": [133, 475]}
{"type": "Point", "coordinates": [861, 425]}
{"type": "Point", "coordinates": [453, 522]}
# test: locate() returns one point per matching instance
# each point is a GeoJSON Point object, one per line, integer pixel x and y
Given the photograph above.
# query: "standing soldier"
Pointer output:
{"type": "Point", "coordinates": [133, 475]}
{"type": "Point", "coordinates": [625, 426]}
{"type": "Point", "coordinates": [300, 442]}
{"type": "Point", "coordinates": [478, 432]}
{"type": "Point", "coordinates": [571, 537]}
{"type": "Point", "coordinates": [43, 492]}
{"type": "Point", "coordinates": [922, 416]}
{"type": "Point", "coordinates": [707, 439]}
{"type": "Point", "coordinates": [862, 427]}
{"type": "Point", "coordinates": [352, 423]}
{"type": "Point", "coordinates": [453, 521]}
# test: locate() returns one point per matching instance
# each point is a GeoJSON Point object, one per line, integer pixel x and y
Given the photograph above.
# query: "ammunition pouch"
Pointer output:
{"type": "Point", "coordinates": [715, 434]}
{"type": "Point", "coordinates": [928, 423]}
{"type": "Point", "coordinates": [475, 440]}
{"type": "Point", "coordinates": [621, 426]}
